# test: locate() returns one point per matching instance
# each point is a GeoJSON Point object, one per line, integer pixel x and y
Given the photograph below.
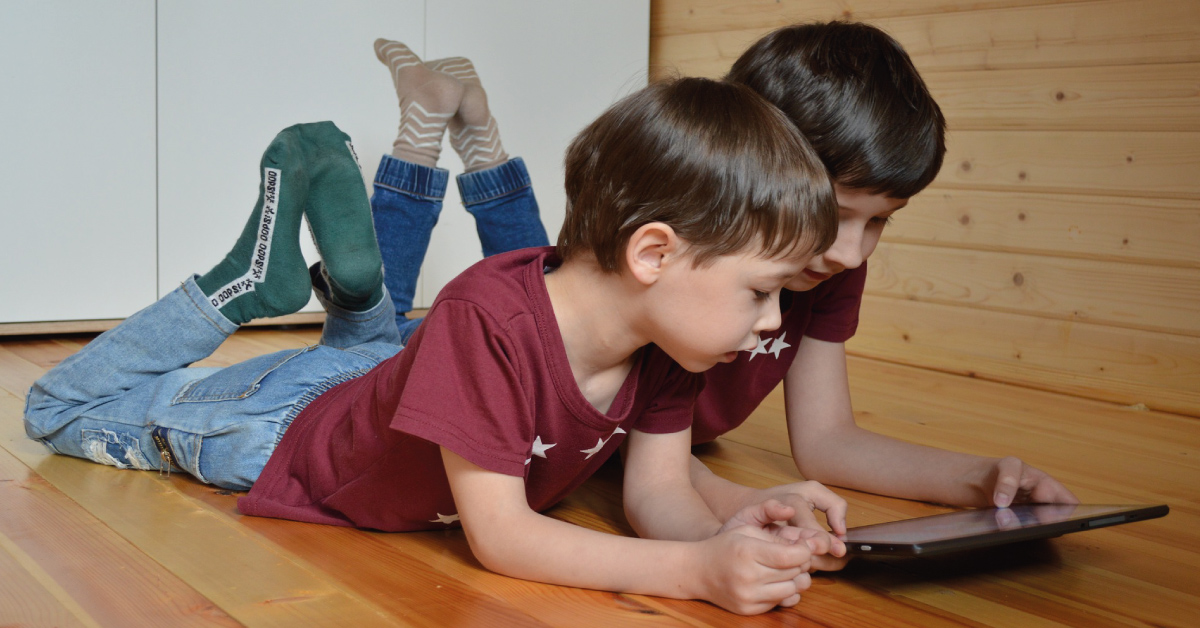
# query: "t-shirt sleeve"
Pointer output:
{"type": "Point", "coordinates": [464, 390]}
{"type": "Point", "coordinates": [674, 397]}
{"type": "Point", "coordinates": [835, 313]}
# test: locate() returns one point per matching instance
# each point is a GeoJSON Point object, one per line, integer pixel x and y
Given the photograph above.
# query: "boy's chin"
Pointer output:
{"type": "Point", "coordinates": [802, 283]}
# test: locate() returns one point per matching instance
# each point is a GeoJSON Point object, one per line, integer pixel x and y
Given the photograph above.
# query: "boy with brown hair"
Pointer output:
{"type": "Point", "coordinates": [691, 203]}
{"type": "Point", "coordinates": [856, 96]}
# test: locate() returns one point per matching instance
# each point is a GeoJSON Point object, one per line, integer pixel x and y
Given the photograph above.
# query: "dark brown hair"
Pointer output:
{"type": "Point", "coordinates": [855, 95]}
{"type": "Point", "coordinates": [711, 159]}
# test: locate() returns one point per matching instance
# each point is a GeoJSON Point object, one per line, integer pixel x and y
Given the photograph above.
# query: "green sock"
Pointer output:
{"type": "Point", "coordinates": [265, 274]}
{"type": "Point", "coordinates": [339, 215]}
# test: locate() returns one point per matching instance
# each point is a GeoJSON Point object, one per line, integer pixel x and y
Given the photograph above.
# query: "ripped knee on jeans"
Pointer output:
{"type": "Point", "coordinates": [118, 450]}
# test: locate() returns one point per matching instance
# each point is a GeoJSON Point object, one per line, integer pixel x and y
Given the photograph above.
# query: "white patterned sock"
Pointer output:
{"type": "Point", "coordinates": [473, 131]}
{"type": "Point", "coordinates": [428, 101]}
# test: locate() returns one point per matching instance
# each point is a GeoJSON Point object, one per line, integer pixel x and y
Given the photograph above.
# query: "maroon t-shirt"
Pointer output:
{"type": "Point", "coordinates": [486, 376]}
{"type": "Point", "coordinates": [732, 391]}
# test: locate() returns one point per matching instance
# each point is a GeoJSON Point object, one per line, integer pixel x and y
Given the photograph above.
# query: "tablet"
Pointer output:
{"type": "Point", "coordinates": [985, 527]}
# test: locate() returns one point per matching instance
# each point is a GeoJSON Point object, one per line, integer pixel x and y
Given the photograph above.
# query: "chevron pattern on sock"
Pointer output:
{"type": "Point", "coordinates": [428, 101]}
{"type": "Point", "coordinates": [479, 147]}
{"type": "Point", "coordinates": [474, 133]}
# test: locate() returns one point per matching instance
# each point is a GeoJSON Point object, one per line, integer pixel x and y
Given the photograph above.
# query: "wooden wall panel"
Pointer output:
{"type": "Point", "coordinates": [1110, 293]}
{"type": "Point", "coordinates": [1138, 164]}
{"type": "Point", "coordinates": [1144, 230]}
{"type": "Point", "coordinates": [1060, 245]}
{"type": "Point", "coordinates": [1115, 32]}
{"type": "Point", "coordinates": [1096, 361]}
{"type": "Point", "coordinates": [1116, 98]}
{"type": "Point", "coordinates": [678, 17]}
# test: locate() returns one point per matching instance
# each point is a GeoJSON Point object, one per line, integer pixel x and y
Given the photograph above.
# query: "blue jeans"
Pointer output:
{"type": "Point", "coordinates": [127, 399]}
{"type": "Point", "coordinates": [408, 198]}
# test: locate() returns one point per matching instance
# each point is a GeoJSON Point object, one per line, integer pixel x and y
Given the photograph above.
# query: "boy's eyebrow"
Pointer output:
{"type": "Point", "coordinates": [782, 275]}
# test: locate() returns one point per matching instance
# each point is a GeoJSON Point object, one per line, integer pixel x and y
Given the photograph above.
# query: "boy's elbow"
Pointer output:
{"type": "Point", "coordinates": [485, 548]}
{"type": "Point", "coordinates": [494, 548]}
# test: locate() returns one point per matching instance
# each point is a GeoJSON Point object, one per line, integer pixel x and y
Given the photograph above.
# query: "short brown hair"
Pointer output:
{"type": "Point", "coordinates": [711, 159]}
{"type": "Point", "coordinates": [854, 93]}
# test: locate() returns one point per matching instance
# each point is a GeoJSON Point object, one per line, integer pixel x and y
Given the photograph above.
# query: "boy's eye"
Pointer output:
{"type": "Point", "coordinates": [761, 296]}
{"type": "Point", "coordinates": [882, 221]}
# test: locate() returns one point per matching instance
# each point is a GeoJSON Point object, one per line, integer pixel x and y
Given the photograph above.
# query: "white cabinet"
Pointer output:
{"type": "Point", "coordinates": [135, 162]}
{"type": "Point", "coordinates": [77, 174]}
{"type": "Point", "coordinates": [233, 74]}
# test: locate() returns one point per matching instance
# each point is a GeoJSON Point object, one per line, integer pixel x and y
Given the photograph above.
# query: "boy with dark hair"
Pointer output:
{"type": "Point", "coordinates": [856, 96]}
{"type": "Point", "coordinates": [530, 369]}
{"type": "Point", "coordinates": [854, 93]}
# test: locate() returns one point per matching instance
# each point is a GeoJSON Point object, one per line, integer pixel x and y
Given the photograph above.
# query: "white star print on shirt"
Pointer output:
{"type": "Point", "coordinates": [761, 348]}
{"type": "Point", "coordinates": [444, 518]}
{"type": "Point", "coordinates": [539, 449]}
{"type": "Point", "coordinates": [778, 345]}
{"type": "Point", "coordinates": [600, 443]}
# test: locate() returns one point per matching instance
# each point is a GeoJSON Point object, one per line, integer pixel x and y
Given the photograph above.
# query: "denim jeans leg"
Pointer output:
{"type": "Point", "coordinates": [179, 329]}
{"type": "Point", "coordinates": [505, 209]}
{"type": "Point", "coordinates": [344, 328]}
{"type": "Point", "coordinates": [128, 399]}
{"type": "Point", "coordinates": [407, 200]}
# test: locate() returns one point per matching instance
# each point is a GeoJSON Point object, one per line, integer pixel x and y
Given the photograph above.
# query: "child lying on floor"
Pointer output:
{"type": "Point", "coordinates": [691, 204]}
{"type": "Point", "coordinates": [856, 96]}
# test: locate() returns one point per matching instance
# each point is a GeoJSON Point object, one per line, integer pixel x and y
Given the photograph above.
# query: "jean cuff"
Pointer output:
{"type": "Point", "coordinates": [414, 179]}
{"type": "Point", "coordinates": [492, 183]}
{"type": "Point", "coordinates": [350, 315]}
{"type": "Point", "coordinates": [204, 304]}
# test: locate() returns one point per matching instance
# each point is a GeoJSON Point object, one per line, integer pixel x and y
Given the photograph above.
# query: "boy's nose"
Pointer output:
{"type": "Point", "coordinates": [770, 320]}
{"type": "Point", "coordinates": [845, 254]}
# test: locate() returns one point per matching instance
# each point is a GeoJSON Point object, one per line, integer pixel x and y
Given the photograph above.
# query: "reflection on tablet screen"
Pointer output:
{"type": "Point", "coordinates": [968, 523]}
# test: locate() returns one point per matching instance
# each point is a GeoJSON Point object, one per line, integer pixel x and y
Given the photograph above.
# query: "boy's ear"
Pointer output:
{"type": "Point", "coordinates": [650, 248]}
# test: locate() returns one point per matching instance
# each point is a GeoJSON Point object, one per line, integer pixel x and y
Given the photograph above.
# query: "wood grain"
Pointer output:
{"type": "Point", "coordinates": [256, 584]}
{"type": "Point", "coordinates": [1142, 230]}
{"type": "Point", "coordinates": [73, 557]}
{"type": "Point", "coordinates": [675, 17]}
{"type": "Point", "coordinates": [1142, 164]}
{"type": "Point", "coordinates": [1083, 34]}
{"type": "Point", "coordinates": [1118, 294]}
{"type": "Point", "coordinates": [1108, 98]}
{"type": "Point", "coordinates": [1094, 361]}
{"type": "Point", "coordinates": [282, 573]}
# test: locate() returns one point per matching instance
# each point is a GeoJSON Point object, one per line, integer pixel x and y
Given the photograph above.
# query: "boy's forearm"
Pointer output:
{"type": "Point", "coordinates": [510, 538]}
{"type": "Point", "coordinates": [534, 547]}
{"type": "Point", "coordinates": [857, 458]}
{"type": "Point", "coordinates": [677, 514]}
{"type": "Point", "coordinates": [723, 497]}
{"type": "Point", "coordinates": [658, 494]}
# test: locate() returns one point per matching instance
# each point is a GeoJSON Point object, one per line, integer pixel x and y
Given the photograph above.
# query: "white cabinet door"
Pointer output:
{"type": "Point", "coordinates": [136, 127]}
{"type": "Point", "coordinates": [549, 68]}
{"type": "Point", "coordinates": [233, 74]}
{"type": "Point", "coordinates": [77, 166]}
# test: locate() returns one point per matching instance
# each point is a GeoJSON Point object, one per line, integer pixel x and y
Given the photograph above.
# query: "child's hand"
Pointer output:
{"type": "Point", "coordinates": [1011, 481]}
{"type": "Point", "coordinates": [804, 498]}
{"type": "Point", "coordinates": [748, 569]}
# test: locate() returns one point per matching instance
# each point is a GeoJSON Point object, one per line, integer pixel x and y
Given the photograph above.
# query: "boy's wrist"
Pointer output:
{"type": "Point", "coordinates": [981, 481]}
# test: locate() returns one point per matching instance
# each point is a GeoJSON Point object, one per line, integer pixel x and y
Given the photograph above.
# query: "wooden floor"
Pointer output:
{"type": "Point", "coordinates": [87, 545]}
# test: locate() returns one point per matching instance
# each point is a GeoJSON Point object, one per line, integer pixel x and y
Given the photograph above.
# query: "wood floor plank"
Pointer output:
{"type": "Point", "coordinates": [75, 556]}
{"type": "Point", "coordinates": [249, 579]}
{"type": "Point", "coordinates": [31, 597]}
{"type": "Point", "coordinates": [286, 573]}
{"type": "Point", "coordinates": [16, 373]}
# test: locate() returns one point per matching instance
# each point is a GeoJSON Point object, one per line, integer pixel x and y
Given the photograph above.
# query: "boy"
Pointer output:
{"type": "Point", "coordinates": [691, 203]}
{"type": "Point", "coordinates": [854, 93]}
{"type": "Point", "coordinates": [434, 97]}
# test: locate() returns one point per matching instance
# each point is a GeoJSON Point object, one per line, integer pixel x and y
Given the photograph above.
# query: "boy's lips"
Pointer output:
{"type": "Point", "coordinates": [815, 276]}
